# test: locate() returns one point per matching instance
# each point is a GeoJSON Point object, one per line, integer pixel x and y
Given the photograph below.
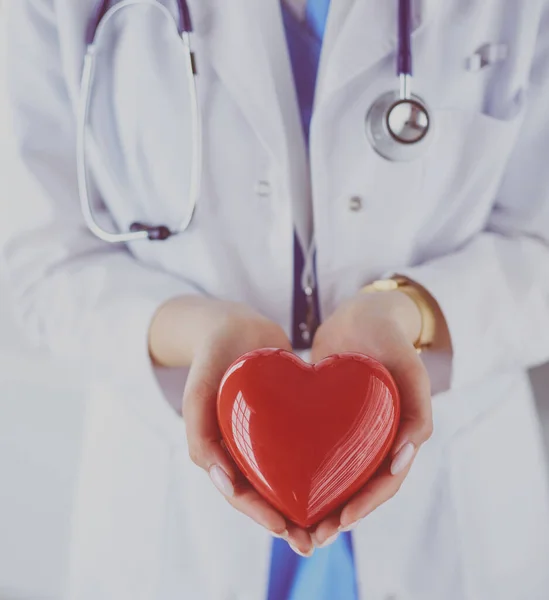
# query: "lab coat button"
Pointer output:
{"type": "Point", "coordinates": [263, 189]}
{"type": "Point", "coordinates": [355, 203]}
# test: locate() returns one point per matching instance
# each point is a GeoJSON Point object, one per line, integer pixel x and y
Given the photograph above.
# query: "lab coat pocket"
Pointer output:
{"type": "Point", "coordinates": [462, 172]}
{"type": "Point", "coordinates": [468, 154]}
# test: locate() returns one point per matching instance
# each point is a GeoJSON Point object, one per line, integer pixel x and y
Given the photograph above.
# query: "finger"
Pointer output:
{"type": "Point", "coordinates": [414, 429]}
{"type": "Point", "coordinates": [375, 493]}
{"type": "Point", "coordinates": [200, 417]}
{"type": "Point", "coordinates": [327, 531]}
{"type": "Point", "coordinates": [238, 491]}
{"type": "Point", "coordinates": [199, 409]}
{"type": "Point", "coordinates": [416, 418]}
{"type": "Point", "coordinates": [300, 540]}
{"type": "Point", "coordinates": [250, 503]}
{"type": "Point", "coordinates": [207, 450]}
{"type": "Point", "coordinates": [247, 501]}
{"type": "Point", "coordinates": [319, 350]}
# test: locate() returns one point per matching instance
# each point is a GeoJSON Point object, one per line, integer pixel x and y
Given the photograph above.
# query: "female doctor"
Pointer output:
{"type": "Point", "coordinates": [194, 180]}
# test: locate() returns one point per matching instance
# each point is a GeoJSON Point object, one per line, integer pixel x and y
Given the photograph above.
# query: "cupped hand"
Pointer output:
{"type": "Point", "coordinates": [210, 335]}
{"type": "Point", "coordinates": [384, 326]}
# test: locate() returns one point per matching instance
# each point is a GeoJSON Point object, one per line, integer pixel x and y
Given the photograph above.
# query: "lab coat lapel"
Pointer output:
{"type": "Point", "coordinates": [241, 40]}
{"type": "Point", "coordinates": [247, 48]}
{"type": "Point", "coordinates": [360, 33]}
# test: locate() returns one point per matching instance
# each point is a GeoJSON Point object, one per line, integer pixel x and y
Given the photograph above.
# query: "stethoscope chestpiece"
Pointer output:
{"type": "Point", "coordinates": [398, 124]}
{"type": "Point", "coordinates": [399, 129]}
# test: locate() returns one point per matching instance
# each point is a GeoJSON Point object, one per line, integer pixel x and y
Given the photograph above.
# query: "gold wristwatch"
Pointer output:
{"type": "Point", "coordinates": [428, 319]}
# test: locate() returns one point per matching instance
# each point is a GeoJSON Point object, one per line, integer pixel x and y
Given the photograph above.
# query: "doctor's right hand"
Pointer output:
{"type": "Point", "coordinates": [209, 335]}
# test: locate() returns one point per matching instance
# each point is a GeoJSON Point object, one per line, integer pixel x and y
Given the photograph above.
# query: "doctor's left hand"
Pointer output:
{"type": "Point", "coordinates": [384, 326]}
{"type": "Point", "coordinates": [209, 335]}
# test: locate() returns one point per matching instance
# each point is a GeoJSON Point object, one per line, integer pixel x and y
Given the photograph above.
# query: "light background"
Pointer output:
{"type": "Point", "coordinates": [41, 415]}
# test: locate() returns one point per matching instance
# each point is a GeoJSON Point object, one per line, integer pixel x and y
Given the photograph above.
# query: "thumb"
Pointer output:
{"type": "Point", "coordinates": [204, 439]}
{"type": "Point", "coordinates": [416, 425]}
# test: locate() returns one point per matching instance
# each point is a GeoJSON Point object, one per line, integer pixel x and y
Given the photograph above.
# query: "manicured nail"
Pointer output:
{"type": "Point", "coordinates": [283, 536]}
{"type": "Point", "coordinates": [222, 481]}
{"type": "Point", "coordinates": [329, 541]}
{"type": "Point", "coordinates": [305, 555]}
{"type": "Point", "coordinates": [349, 527]}
{"type": "Point", "coordinates": [403, 458]}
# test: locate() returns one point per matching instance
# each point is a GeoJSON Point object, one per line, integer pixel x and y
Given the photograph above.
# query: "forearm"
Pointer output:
{"type": "Point", "coordinates": [177, 328]}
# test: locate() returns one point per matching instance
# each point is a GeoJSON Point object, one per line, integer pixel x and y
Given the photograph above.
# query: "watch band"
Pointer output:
{"type": "Point", "coordinates": [428, 319]}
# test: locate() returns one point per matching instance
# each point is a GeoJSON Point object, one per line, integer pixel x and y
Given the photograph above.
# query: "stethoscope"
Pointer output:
{"type": "Point", "coordinates": [398, 124]}
{"type": "Point", "coordinates": [184, 28]}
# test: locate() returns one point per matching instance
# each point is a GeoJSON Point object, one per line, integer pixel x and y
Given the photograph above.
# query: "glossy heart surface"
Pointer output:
{"type": "Point", "coordinates": [308, 437]}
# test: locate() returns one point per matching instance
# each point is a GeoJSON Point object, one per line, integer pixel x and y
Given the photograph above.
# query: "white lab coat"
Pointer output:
{"type": "Point", "coordinates": [469, 221]}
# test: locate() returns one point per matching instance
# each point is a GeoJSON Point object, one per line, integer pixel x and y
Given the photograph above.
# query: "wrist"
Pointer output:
{"type": "Point", "coordinates": [392, 312]}
{"type": "Point", "coordinates": [415, 312]}
{"type": "Point", "coordinates": [408, 316]}
{"type": "Point", "coordinates": [404, 313]}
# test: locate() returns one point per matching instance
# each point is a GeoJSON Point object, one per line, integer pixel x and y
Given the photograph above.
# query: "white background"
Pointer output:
{"type": "Point", "coordinates": [40, 426]}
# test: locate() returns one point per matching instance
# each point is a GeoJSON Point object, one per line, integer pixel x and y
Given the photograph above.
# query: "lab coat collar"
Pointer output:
{"type": "Point", "coordinates": [359, 34]}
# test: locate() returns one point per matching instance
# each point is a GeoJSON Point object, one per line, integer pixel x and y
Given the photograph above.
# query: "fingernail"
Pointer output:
{"type": "Point", "coordinates": [403, 458]}
{"type": "Point", "coordinates": [283, 536]}
{"type": "Point", "coordinates": [305, 555]}
{"type": "Point", "coordinates": [349, 527]}
{"type": "Point", "coordinates": [222, 481]}
{"type": "Point", "coordinates": [329, 541]}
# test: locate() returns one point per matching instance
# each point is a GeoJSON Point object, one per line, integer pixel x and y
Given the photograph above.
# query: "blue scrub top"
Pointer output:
{"type": "Point", "coordinates": [330, 573]}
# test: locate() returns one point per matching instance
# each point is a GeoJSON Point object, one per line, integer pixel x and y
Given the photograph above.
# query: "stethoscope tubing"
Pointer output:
{"type": "Point", "coordinates": [185, 24]}
{"type": "Point", "coordinates": [404, 51]}
{"type": "Point", "coordinates": [137, 231]}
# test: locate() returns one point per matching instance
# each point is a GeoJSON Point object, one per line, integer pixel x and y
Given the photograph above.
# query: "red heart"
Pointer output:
{"type": "Point", "coordinates": [308, 437]}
